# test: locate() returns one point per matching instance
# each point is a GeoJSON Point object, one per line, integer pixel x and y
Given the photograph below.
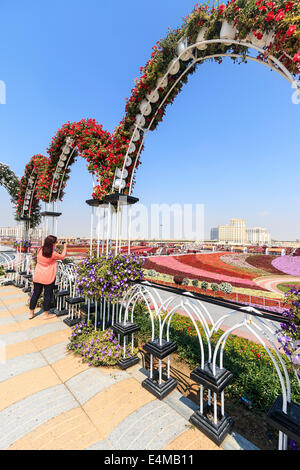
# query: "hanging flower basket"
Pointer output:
{"type": "Point", "coordinates": [228, 31]}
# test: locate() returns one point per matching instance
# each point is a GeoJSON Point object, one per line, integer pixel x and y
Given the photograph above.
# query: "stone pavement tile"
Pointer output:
{"type": "Point", "coordinates": [19, 349]}
{"type": "Point", "coordinates": [9, 328]}
{"type": "Point", "coordinates": [126, 397]}
{"type": "Point", "coordinates": [14, 337]}
{"type": "Point", "coordinates": [38, 321]}
{"type": "Point", "coordinates": [21, 317]}
{"type": "Point", "coordinates": [13, 296]}
{"type": "Point", "coordinates": [55, 353]}
{"type": "Point", "coordinates": [19, 365]}
{"type": "Point", "coordinates": [68, 367]}
{"type": "Point", "coordinates": [24, 385]}
{"type": "Point", "coordinates": [14, 334]}
{"type": "Point", "coordinates": [150, 427]}
{"type": "Point", "coordinates": [183, 405]}
{"type": "Point", "coordinates": [167, 433]}
{"type": "Point", "coordinates": [101, 445]}
{"type": "Point", "coordinates": [6, 320]}
{"type": "Point", "coordinates": [48, 326]}
{"type": "Point", "coordinates": [50, 339]}
{"type": "Point", "coordinates": [71, 430]}
{"type": "Point", "coordinates": [26, 415]}
{"type": "Point", "coordinates": [15, 301]}
{"type": "Point", "coordinates": [19, 309]}
{"type": "Point", "coordinates": [192, 439]}
{"type": "Point", "coordinates": [5, 313]}
{"type": "Point", "coordinates": [87, 384]}
{"type": "Point", "coordinates": [6, 290]}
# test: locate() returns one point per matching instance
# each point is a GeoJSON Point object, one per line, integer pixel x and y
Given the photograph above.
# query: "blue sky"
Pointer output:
{"type": "Point", "coordinates": [230, 141]}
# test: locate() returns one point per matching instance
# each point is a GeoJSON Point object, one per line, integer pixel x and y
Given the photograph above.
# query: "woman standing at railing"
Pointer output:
{"type": "Point", "coordinates": [45, 274]}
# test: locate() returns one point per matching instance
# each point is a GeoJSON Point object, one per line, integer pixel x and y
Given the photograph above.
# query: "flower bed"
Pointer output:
{"type": "Point", "coordinates": [212, 262]}
{"type": "Point", "coordinates": [288, 265]}
{"type": "Point", "coordinates": [169, 265]}
{"type": "Point", "coordinates": [263, 262]}
{"type": "Point", "coordinates": [239, 261]}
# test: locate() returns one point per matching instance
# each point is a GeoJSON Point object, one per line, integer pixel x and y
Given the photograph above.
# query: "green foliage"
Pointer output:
{"type": "Point", "coordinates": [214, 287]}
{"type": "Point", "coordinates": [226, 288]}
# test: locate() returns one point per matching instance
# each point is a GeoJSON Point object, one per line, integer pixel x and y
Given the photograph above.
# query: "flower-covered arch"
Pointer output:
{"type": "Point", "coordinates": [270, 29]}
{"type": "Point", "coordinates": [10, 181]}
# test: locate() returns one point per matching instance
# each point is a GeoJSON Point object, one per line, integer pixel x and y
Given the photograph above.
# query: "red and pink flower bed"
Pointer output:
{"type": "Point", "coordinates": [212, 262]}
{"type": "Point", "coordinates": [172, 266]}
{"type": "Point", "coordinates": [264, 262]}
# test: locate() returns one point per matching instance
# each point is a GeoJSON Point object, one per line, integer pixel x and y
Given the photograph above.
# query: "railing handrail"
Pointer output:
{"type": "Point", "coordinates": [261, 312]}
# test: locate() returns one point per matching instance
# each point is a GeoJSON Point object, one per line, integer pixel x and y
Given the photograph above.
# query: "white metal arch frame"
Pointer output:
{"type": "Point", "coordinates": [262, 329]}
{"type": "Point", "coordinates": [272, 63]}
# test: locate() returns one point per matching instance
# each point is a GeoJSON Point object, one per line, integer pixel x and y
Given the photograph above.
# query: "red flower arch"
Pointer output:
{"type": "Point", "coordinates": [271, 28]}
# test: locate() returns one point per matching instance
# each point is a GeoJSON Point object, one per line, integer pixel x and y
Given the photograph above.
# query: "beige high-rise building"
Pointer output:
{"type": "Point", "coordinates": [258, 235]}
{"type": "Point", "coordinates": [233, 233]}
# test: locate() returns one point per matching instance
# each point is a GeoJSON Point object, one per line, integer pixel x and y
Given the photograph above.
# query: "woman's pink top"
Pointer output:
{"type": "Point", "coordinates": [45, 271]}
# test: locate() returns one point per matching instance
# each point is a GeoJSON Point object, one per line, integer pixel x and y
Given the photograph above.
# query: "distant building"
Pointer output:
{"type": "Point", "coordinates": [258, 236]}
{"type": "Point", "coordinates": [214, 233]}
{"type": "Point", "coordinates": [16, 232]}
{"type": "Point", "coordinates": [233, 233]}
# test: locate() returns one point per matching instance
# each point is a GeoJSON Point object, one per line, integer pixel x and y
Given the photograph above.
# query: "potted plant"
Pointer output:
{"type": "Point", "coordinates": [204, 285]}
{"type": "Point", "coordinates": [108, 276]}
{"type": "Point", "coordinates": [228, 31]}
{"type": "Point", "coordinates": [178, 280]}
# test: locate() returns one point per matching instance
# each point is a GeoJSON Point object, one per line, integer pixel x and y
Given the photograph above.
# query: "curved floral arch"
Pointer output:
{"type": "Point", "coordinates": [10, 181]}
{"type": "Point", "coordinates": [270, 29]}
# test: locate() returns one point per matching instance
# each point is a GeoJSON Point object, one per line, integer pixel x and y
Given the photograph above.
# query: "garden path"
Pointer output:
{"type": "Point", "coordinates": [270, 282]}
{"type": "Point", "coordinates": [50, 400]}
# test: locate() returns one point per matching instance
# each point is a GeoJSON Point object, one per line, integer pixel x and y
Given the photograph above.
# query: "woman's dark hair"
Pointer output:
{"type": "Point", "coordinates": [48, 246]}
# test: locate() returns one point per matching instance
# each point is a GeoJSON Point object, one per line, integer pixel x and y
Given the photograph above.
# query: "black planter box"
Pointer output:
{"type": "Point", "coordinates": [215, 432]}
{"type": "Point", "coordinates": [71, 322]}
{"type": "Point", "coordinates": [124, 330]}
{"type": "Point", "coordinates": [160, 391]}
{"type": "Point", "coordinates": [122, 198]}
{"type": "Point", "coordinates": [160, 351]}
{"type": "Point", "coordinates": [10, 271]}
{"type": "Point", "coordinates": [206, 378]}
{"type": "Point", "coordinates": [288, 423]}
{"type": "Point", "coordinates": [61, 313]}
{"type": "Point", "coordinates": [27, 290]}
{"type": "Point", "coordinates": [129, 362]}
{"type": "Point", "coordinates": [62, 293]}
{"type": "Point", "coordinates": [95, 203]}
{"type": "Point", "coordinates": [74, 300]}
{"type": "Point", "coordinates": [51, 214]}
{"type": "Point", "coordinates": [20, 285]}
{"type": "Point", "coordinates": [84, 308]}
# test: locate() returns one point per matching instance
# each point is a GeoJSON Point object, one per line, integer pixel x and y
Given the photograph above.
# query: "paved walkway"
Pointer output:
{"type": "Point", "coordinates": [49, 400]}
{"type": "Point", "coordinates": [271, 282]}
